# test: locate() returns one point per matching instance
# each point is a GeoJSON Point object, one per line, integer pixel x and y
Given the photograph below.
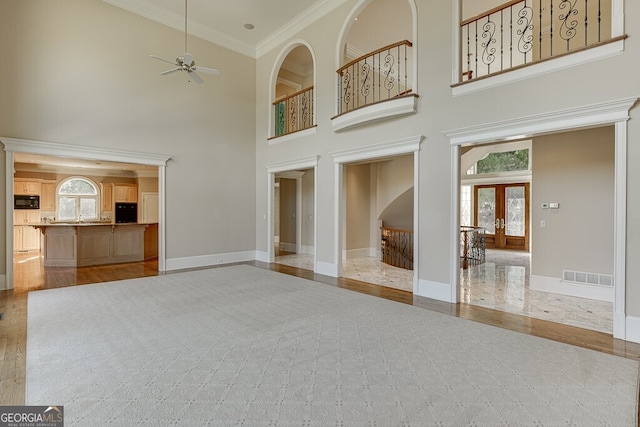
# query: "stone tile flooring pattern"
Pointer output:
{"type": "Point", "coordinates": [500, 283]}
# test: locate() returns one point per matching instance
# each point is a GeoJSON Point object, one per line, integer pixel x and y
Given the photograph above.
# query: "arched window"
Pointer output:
{"type": "Point", "coordinates": [77, 200]}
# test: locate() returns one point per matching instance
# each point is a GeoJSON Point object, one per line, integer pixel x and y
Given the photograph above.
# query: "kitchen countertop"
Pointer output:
{"type": "Point", "coordinates": [86, 224]}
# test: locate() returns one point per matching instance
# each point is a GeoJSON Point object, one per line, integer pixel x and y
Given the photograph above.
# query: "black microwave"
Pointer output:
{"type": "Point", "coordinates": [26, 202]}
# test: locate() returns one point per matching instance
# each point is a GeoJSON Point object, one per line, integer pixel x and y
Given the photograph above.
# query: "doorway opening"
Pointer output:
{"type": "Point", "coordinates": [378, 222]}
{"type": "Point", "coordinates": [294, 218]}
{"type": "Point", "coordinates": [540, 231]}
{"type": "Point", "coordinates": [48, 164]}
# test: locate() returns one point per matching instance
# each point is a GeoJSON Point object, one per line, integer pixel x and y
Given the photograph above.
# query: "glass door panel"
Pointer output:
{"type": "Point", "coordinates": [486, 204]}
{"type": "Point", "coordinates": [503, 211]}
{"type": "Point", "coordinates": [514, 211]}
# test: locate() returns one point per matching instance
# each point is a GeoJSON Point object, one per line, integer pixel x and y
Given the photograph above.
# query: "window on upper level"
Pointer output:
{"type": "Point", "coordinates": [77, 200]}
{"type": "Point", "coordinates": [377, 63]}
{"type": "Point", "coordinates": [495, 36]}
{"type": "Point", "coordinates": [293, 96]}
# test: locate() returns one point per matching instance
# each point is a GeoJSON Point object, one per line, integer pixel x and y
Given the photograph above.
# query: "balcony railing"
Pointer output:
{"type": "Point", "coordinates": [472, 246]}
{"type": "Point", "coordinates": [397, 247]}
{"type": "Point", "coordinates": [377, 76]}
{"type": "Point", "coordinates": [294, 113]}
{"type": "Point", "coordinates": [521, 32]}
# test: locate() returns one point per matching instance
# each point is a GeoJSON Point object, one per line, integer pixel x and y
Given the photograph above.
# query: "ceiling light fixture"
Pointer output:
{"type": "Point", "coordinates": [249, 26]}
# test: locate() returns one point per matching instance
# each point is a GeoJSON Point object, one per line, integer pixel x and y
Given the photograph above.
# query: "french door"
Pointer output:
{"type": "Point", "coordinates": [503, 210]}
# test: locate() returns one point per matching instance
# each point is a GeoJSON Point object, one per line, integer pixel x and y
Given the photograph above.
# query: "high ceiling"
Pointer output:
{"type": "Point", "coordinates": [224, 21]}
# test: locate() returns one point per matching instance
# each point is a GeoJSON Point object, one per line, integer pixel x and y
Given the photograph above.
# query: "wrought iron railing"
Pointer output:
{"type": "Point", "coordinates": [397, 247]}
{"type": "Point", "coordinates": [377, 76]}
{"type": "Point", "coordinates": [294, 113]}
{"type": "Point", "coordinates": [472, 245]}
{"type": "Point", "coordinates": [524, 31]}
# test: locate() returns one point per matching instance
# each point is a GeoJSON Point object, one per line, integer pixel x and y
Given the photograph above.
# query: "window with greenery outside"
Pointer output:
{"type": "Point", "coordinates": [506, 161]}
{"type": "Point", "coordinates": [77, 200]}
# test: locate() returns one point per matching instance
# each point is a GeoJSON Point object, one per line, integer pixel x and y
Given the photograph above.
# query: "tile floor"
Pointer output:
{"type": "Point", "coordinates": [500, 283]}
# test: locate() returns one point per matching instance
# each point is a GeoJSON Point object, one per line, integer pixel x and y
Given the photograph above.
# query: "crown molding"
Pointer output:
{"type": "Point", "coordinates": [82, 152]}
{"type": "Point", "coordinates": [176, 21]}
{"type": "Point", "coordinates": [297, 24]}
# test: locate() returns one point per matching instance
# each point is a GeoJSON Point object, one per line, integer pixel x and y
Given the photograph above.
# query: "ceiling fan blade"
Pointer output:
{"type": "Point", "coordinates": [173, 70]}
{"type": "Point", "coordinates": [207, 70]}
{"type": "Point", "coordinates": [196, 78]}
{"type": "Point", "coordinates": [163, 60]}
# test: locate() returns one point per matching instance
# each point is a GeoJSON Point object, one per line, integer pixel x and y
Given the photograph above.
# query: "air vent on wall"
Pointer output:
{"type": "Point", "coordinates": [587, 278]}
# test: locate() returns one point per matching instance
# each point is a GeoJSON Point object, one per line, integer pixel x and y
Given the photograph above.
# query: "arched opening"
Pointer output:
{"type": "Point", "coordinates": [292, 100]}
{"type": "Point", "coordinates": [375, 65]}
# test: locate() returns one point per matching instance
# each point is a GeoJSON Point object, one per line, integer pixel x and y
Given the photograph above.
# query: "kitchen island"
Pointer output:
{"type": "Point", "coordinates": [83, 244]}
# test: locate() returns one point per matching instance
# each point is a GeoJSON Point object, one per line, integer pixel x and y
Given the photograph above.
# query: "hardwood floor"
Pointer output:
{"type": "Point", "coordinates": [30, 276]}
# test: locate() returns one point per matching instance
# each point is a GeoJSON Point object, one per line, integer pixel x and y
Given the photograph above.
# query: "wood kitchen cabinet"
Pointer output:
{"type": "Point", "coordinates": [125, 193]}
{"type": "Point", "coordinates": [26, 216]}
{"type": "Point", "coordinates": [26, 187]}
{"type": "Point", "coordinates": [106, 196]}
{"type": "Point", "coordinates": [26, 238]}
{"type": "Point", "coordinates": [48, 196]}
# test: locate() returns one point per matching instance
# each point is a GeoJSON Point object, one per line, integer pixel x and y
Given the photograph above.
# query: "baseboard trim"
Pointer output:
{"type": "Point", "coordinates": [555, 285]}
{"type": "Point", "coordinates": [327, 269]}
{"type": "Point", "coordinates": [435, 290]}
{"type": "Point", "coordinates": [262, 256]}
{"type": "Point", "coordinates": [309, 250]}
{"type": "Point", "coordinates": [209, 260]}
{"type": "Point", "coordinates": [633, 329]}
{"type": "Point", "coordinates": [360, 253]}
{"type": "Point", "coordinates": [288, 247]}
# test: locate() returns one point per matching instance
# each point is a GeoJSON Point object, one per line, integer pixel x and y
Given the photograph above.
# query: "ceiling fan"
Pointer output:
{"type": "Point", "coordinates": [186, 61]}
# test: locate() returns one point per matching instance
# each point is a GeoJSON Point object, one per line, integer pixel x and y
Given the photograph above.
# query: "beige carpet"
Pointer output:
{"type": "Point", "coordinates": [245, 346]}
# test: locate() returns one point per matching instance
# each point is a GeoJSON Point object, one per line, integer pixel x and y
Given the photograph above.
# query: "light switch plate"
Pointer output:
{"type": "Point", "coordinates": [554, 205]}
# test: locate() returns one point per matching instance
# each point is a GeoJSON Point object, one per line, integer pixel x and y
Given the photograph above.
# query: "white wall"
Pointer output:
{"type": "Point", "coordinates": [80, 74]}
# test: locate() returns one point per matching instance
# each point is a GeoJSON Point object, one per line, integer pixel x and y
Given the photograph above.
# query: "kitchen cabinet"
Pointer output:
{"type": "Point", "coordinates": [125, 193]}
{"type": "Point", "coordinates": [48, 196]}
{"type": "Point", "coordinates": [106, 197]}
{"type": "Point", "coordinates": [25, 187]}
{"type": "Point", "coordinates": [26, 216]}
{"type": "Point", "coordinates": [26, 238]}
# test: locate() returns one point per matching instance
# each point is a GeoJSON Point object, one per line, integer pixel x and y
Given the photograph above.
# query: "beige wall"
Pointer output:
{"type": "Point", "coordinates": [308, 209]}
{"type": "Point", "coordinates": [439, 111]}
{"type": "Point", "coordinates": [81, 74]}
{"type": "Point", "coordinates": [576, 170]}
{"type": "Point", "coordinates": [288, 211]}
{"type": "Point", "coordinates": [358, 195]}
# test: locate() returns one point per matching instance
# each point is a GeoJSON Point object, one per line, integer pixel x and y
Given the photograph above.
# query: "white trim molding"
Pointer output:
{"type": "Point", "coordinates": [434, 290]}
{"type": "Point", "coordinates": [592, 115]}
{"type": "Point", "coordinates": [393, 148]}
{"type": "Point", "coordinates": [537, 69]}
{"type": "Point", "coordinates": [292, 169]}
{"type": "Point", "coordinates": [558, 286]}
{"type": "Point", "coordinates": [209, 260]}
{"type": "Point", "coordinates": [388, 149]}
{"type": "Point", "coordinates": [614, 112]}
{"type": "Point", "coordinates": [379, 111]}
{"type": "Point", "coordinates": [13, 145]}
{"type": "Point", "coordinates": [293, 136]}
{"type": "Point", "coordinates": [633, 329]}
